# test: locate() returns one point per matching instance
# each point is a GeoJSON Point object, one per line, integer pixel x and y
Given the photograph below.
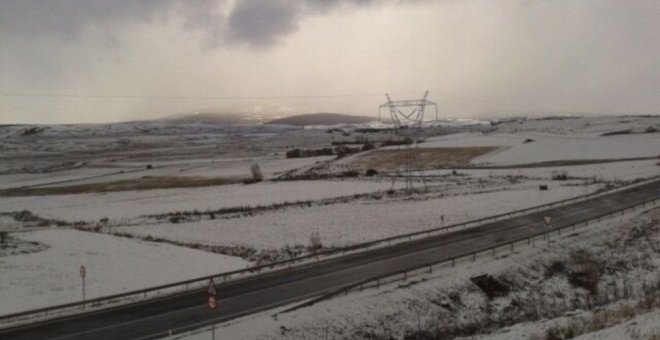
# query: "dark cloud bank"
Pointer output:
{"type": "Point", "coordinates": [255, 23]}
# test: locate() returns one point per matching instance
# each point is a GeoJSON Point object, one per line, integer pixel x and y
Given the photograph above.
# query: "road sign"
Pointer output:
{"type": "Point", "coordinates": [212, 302]}
{"type": "Point", "coordinates": [547, 220]}
{"type": "Point", "coordinates": [83, 271]}
{"type": "Point", "coordinates": [211, 289]}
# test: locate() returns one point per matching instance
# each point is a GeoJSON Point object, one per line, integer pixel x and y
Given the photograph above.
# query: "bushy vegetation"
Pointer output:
{"type": "Point", "coordinates": [32, 131]}
{"type": "Point", "coordinates": [559, 176]}
{"type": "Point", "coordinates": [585, 270]}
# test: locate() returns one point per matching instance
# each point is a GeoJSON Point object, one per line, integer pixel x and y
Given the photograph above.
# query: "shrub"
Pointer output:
{"type": "Point", "coordinates": [405, 141]}
{"type": "Point", "coordinates": [3, 236]}
{"type": "Point", "coordinates": [343, 151]}
{"type": "Point", "coordinates": [559, 176]}
{"type": "Point", "coordinates": [350, 173]}
{"type": "Point", "coordinates": [371, 172]}
{"type": "Point", "coordinates": [585, 270]}
{"type": "Point", "coordinates": [32, 131]}
{"type": "Point", "coordinates": [368, 146]}
{"type": "Point", "coordinates": [315, 241]}
{"type": "Point", "coordinates": [295, 153]}
{"type": "Point", "coordinates": [149, 166]}
{"type": "Point", "coordinates": [176, 219]}
{"type": "Point", "coordinates": [257, 176]}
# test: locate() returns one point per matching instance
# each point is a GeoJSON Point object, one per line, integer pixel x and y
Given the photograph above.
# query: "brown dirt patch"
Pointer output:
{"type": "Point", "coordinates": [143, 183]}
{"type": "Point", "coordinates": [418, 158]}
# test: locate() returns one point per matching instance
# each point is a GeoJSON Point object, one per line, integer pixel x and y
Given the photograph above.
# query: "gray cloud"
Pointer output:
{"type": "Point", "coordinates": [262, 23]}
{"type": "Point", "coordinates": [254, 23]}
{"type": "Point", "coordinates": [258, 23]}
{"type": "Point", "coordinates": [67, 18]}
{"type": "Point", "coordinates": [475, 56]}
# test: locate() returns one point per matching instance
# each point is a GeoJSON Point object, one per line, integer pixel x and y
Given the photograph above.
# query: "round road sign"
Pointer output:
{"type": "Point", "coordinates": [212, 302]}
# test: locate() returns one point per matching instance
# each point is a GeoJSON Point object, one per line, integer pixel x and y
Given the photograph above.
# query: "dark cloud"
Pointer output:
{"type": "Point", "coordinates": [262, 23]}
{"type": "Point", "coordinates": [255, 23]}
{"type": "Point", "coordinates": [67, 18]}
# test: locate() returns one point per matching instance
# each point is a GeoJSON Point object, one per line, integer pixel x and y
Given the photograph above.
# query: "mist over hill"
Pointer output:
{"type": "Point", "coordinates": [207, 118]}
{"type": "Point", "coordinates": [322, 119]}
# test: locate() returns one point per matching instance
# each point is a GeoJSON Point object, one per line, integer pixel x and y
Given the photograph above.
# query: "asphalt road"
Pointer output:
{"type": "Point", "coordinates": [154, 318]}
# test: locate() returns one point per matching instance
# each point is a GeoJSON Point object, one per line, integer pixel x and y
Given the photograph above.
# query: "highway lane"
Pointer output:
{"type": "Point", "coordinates": [189, 311]}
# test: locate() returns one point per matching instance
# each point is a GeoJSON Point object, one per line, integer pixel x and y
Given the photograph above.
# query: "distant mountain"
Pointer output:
{"type": "Point", "coordinates": [207, 118]}
{"type": "Point", "coordinates": [322, 119]}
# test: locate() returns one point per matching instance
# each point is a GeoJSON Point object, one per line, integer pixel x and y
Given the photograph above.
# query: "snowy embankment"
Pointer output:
{"type": "Point", "coordinates": [359, 221]}
{"type": "Point", "coordinates": [114, 265]}
{"type": "Point", "coordinates": [546, 147]}
{"type": "Point", "coordinates": [127, 204]}
{"type": "Point", "coordinates": [445, 304]}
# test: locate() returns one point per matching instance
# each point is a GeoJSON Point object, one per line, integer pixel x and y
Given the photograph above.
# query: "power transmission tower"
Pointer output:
{"type": "Point", "coordinates": [408, 125]}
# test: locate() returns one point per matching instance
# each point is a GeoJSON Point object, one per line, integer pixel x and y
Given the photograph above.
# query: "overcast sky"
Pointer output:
{"type": "Point", "coordinates": [69, 61]}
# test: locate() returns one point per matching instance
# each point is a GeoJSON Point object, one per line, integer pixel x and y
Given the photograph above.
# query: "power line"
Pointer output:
{"type": "Point", "coordinates": [121, 96]}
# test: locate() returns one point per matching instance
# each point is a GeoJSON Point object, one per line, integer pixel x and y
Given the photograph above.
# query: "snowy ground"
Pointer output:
{"type": "Point", "coordinates": [580, 125]}
{"type": "Point", "coordinates": [343, 211]}
{"type": "Point", "coordinates": [403, 308]}
{"type": "Point", "coordinates": [114, 265]}
{"type": "Point", "coordinates": [547, 147]}
{"type": "Point", "coordinates": [117, 205]}
{"type": "Point", "coordinates": [616, 171]}
{"type": "Point", "coordinates": [360, 221]}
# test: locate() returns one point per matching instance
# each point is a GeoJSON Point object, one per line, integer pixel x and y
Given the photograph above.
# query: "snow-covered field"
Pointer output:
{"type": "Point", "coordinates": [126, 204]}
{"type": "Point", "coordinates": [547, 147]}
{"type": "Point", "coordinates": [593, 125]}
{"type": "Point", "coordinates": [340, 213]}
{"type": "Point", "coordinates": [615, 171]}
{"type": "Point", "coordinates": [343, 224]}
{"type": "Point", "coordinates": [114, 265]}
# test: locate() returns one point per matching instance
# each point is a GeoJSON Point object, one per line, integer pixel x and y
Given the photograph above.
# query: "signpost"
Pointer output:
{"type": "Point", "coordinates": [83, 273]}
{"type": "Point", "coordinates": [212, 302]}
{"type": "Point", "coordinates": [211, 288]}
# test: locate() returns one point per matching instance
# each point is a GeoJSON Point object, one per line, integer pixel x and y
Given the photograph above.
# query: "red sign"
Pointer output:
{"type": "Point", "coordinates": [83, 271]}
{"type": "Point", "coordinates": [212, 302]}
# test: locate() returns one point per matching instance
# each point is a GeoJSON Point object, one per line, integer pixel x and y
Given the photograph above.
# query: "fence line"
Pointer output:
{"type": "Point", "coordinates": [382, 279]}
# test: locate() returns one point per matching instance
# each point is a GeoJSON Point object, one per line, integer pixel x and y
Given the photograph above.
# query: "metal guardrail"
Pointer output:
{"type": "Point", "coordinates": [469, 254]}
{"type": "Point", "coordinates": [121, 299]}
{"type": "Point", "coordinates": [405, 274]}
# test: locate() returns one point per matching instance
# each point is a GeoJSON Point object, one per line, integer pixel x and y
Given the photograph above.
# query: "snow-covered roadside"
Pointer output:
{"type": "Point", "coordinates": [402, 308]}
{"type": "Point", "coordinates": [114, 265]}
